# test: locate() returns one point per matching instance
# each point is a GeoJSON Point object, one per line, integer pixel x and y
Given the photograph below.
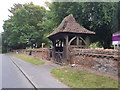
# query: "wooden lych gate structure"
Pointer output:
{"type": "Point", "coordinates": [69, 34]}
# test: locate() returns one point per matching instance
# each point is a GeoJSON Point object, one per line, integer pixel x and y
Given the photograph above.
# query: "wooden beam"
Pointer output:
{"type": "Point", "coordinates": [77, 41]}
{"type": "Point", "coordinates": [71, 40]}
{"type": "Point", "coordinates": [87, 42]}
{"type": "Point", "coordinates": [53, 52]}
{"type": "Point", "coordinates": [83, 40]}
{"type": "Point", "coordinates": [66, 49]}
{"type": "Point", "coordinates": [61, 42]}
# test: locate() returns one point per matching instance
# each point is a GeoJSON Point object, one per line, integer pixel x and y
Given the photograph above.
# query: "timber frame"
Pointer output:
{"type": "Point", "coordinates": [68, 35]}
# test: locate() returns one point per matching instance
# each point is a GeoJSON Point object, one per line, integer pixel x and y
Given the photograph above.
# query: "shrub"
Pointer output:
{"type": "Point", "coordinates": [95, 45]}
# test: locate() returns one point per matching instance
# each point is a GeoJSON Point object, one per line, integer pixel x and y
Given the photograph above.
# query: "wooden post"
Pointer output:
{"type": "Point", "coordinates": [77, 42]}
{"type": "Point", "coordinates": [87, 42]}
{"type": "Point", "coordinates": [53, 52]}
{"type": "Point", "coordinates": [61, 43]}
{"type": "Point", "coordinates": [66, 50]}
{"type": "Point", "coordinates": [114, 47]}
{"type": "Point", "coordinates": [42, 50]}
{"type": "Point", "coordinates": [117, 46]}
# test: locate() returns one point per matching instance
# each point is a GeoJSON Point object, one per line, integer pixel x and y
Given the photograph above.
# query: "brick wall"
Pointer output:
{"type": "Point", "coordinates": [100, 60]}
{"type": "Point", "coordinates": [96, 59]}
{"type": "Point", "coordinates": [42, 53]}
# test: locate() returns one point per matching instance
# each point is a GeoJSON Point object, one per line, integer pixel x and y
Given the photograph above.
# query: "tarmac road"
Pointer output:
{"type": "Point", "coordinates": [12, 77]}
{"type": "Point", "coordinates": [0, 71]}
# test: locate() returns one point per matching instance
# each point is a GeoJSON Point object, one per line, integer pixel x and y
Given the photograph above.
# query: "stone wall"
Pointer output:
{"type": "Point", "coordinates": [96, 59]}
{"type": "Point", "coordinates": [100, 60]}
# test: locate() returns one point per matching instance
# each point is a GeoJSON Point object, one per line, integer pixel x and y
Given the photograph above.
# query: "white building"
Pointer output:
{"type": "Point", "coordinates": [116, 40]}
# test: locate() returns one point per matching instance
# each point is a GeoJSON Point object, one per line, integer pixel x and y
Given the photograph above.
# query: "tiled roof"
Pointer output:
{"type": "Point", "coordinates": [69, 24]}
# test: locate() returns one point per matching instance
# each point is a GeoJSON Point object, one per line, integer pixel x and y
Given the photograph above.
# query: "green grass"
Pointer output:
{"type": "Point", "coordinates": [83, 79]}
{"type": "Point", "coordinates": [29, 59]}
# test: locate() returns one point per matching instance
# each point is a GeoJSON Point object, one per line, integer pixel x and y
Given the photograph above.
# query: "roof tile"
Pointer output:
{"type": "Point", "coordinates": [69, 24]}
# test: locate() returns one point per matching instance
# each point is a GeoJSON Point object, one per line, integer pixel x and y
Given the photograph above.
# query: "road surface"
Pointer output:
{"type": "Point", "coordinates": [12, 77]}
{"type": "Point", "coordinates": [0, 71]}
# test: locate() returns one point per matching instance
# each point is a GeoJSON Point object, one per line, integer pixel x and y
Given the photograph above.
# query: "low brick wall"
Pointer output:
{"type": "Point", "coordinates": [95, 59]}
{"type": "Point", "coordinates": [42, 53]}
{"type": "Point", "coordinates": [100, 60]}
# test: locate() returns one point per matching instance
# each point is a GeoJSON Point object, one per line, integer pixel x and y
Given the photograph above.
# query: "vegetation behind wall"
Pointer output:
{"type": "Point", "coordinates": [29, 24]}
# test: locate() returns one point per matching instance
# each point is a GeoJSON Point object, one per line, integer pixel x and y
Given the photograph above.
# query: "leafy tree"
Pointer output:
{"type": "Point", "coordinates": [99, 18]}
{"type": "Point", "coordinates": [30, 24]}
{"type": "Point", "coordinates": [116, 18]}
{"type": "Point", "coordinates": [22, 28]}
{"type": "Point", "coordinates": [95, 16]}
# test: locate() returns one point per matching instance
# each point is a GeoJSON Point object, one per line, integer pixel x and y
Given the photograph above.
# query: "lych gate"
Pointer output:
{"type": "Point", "coordinates": [69, 34]}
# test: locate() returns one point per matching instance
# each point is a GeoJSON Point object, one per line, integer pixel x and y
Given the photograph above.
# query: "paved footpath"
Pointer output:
{"type": "Point", "coordinates": [40, 75]}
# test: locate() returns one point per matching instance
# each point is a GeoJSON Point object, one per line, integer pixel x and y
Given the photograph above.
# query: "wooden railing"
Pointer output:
{"type": "Point", "coordinates": [59, 57]}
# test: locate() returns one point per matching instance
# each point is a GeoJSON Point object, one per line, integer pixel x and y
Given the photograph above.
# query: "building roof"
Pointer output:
{"type": "Point", "coordinates": [116, 32]}
{"type": "Point", "coordinates": [69, 24]}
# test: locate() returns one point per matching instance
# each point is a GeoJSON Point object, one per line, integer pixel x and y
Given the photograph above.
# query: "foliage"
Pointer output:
{"type": "Point", "coordinates": [31, 24]}
{"type": "Point", "coordinates": [95, 45]}
{"type": "Point", "coordinates": [22, 29]}
{"type": "Point", "coordinates": [95, 16]}
{"type": "Point", "coordinates": [29, 59]}
{"type": "Point", "coordinates": [83, 79]}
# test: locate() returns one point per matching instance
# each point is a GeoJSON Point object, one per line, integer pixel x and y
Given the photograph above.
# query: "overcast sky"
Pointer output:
{"type": "Point", "coordinates": [6, 4]}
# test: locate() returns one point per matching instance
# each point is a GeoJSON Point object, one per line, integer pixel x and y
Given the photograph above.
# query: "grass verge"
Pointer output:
{"type": "Point", "coordinates": [29, 59]}
{"type": "Point", "coordinates": [83, 79]}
